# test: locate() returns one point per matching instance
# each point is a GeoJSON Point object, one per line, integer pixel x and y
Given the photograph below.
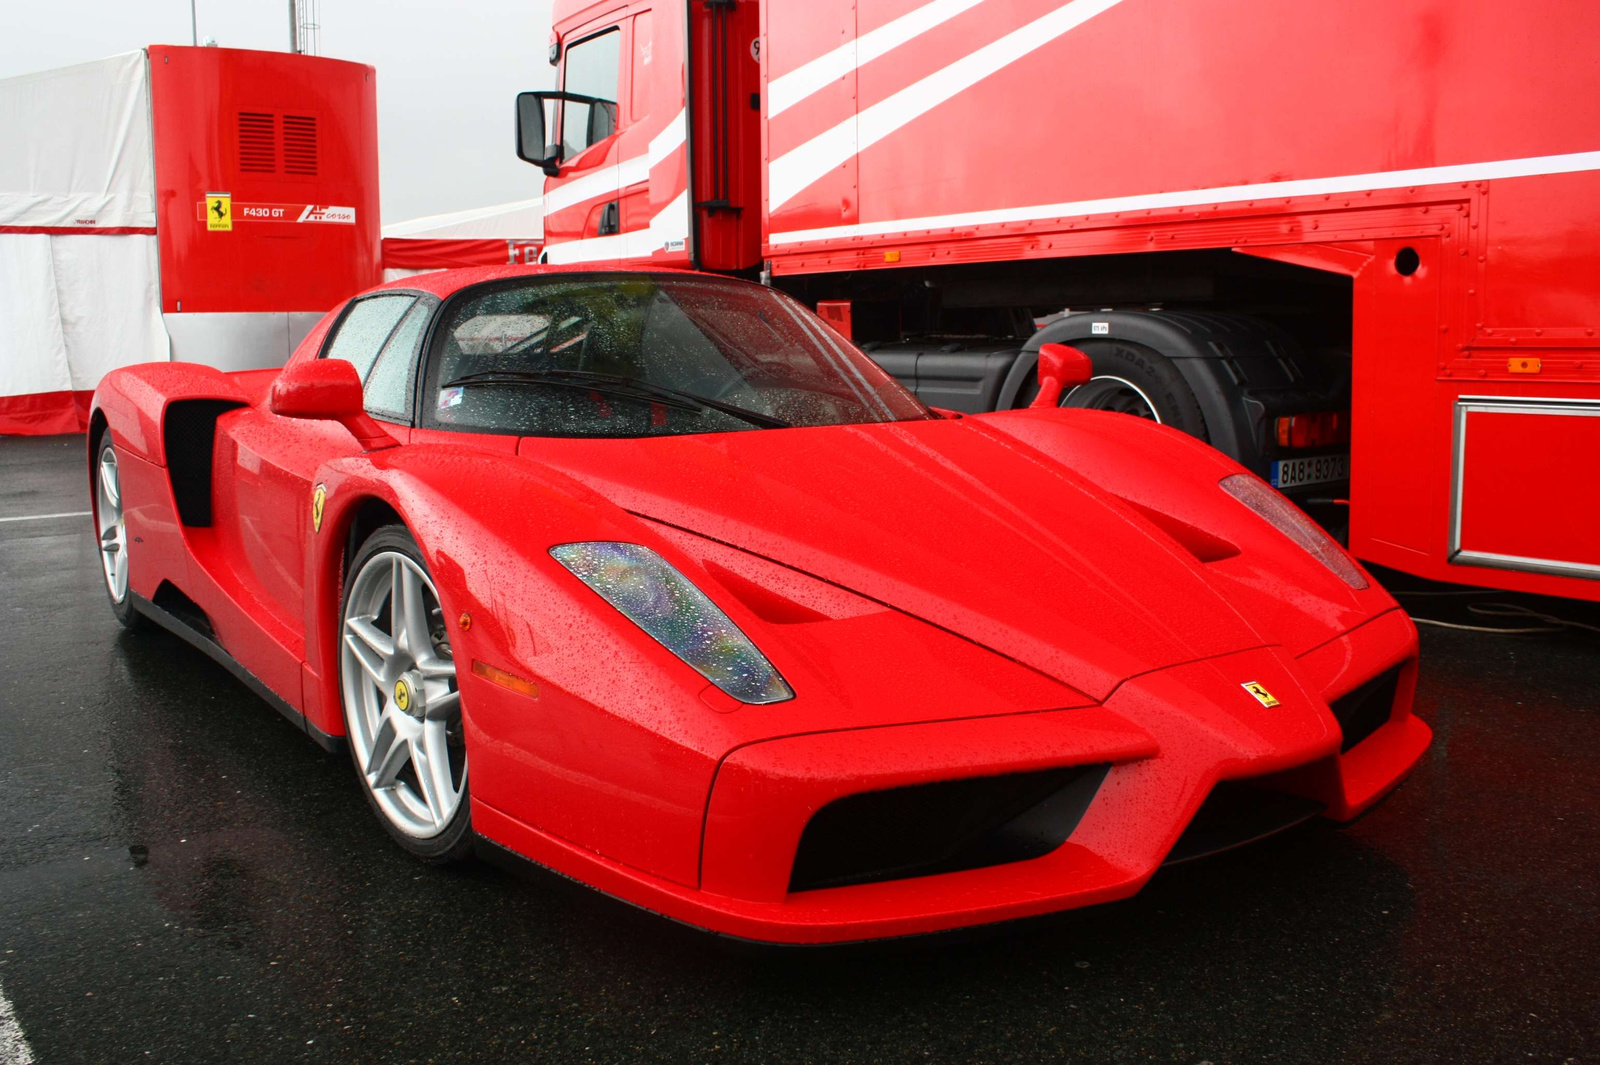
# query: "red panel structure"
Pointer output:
{"type": "Point", "coordinates": [290, 143]}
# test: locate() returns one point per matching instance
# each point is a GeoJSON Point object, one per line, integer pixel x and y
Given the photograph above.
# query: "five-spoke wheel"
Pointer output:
{"type": "Point", "coordinates": [401, 704]}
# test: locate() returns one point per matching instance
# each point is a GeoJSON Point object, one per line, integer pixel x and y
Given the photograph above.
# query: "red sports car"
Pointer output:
{"type": "Point", "coordinates": [655, 580]}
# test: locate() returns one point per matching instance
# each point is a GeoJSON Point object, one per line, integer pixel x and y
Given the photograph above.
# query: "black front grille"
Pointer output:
{"type": "Point", "coordinates": [1239, 812]}
{"type": "Point", "coordinates": [1364, 711]}
{"type": "Point", "coordinates": [942, 827]}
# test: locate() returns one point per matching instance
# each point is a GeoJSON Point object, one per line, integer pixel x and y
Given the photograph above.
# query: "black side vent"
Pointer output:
{"type": "Point", "coordinates": [258, 143]}
{"type": "Point", "coordinates": [300, 145]}
{"type": "Point", "coordinates": [189, 434]}
{"type": "Point", "coordinates": [942, 827]}
{"type": "Point", "coordinates": [170, 597]}
{"type": "Point", "coordinates": [1365, 710]}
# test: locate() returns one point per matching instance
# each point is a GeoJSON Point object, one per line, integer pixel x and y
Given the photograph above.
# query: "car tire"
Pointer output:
{"type": "Point", "coordinates": [402, 708]}
{"type": "Point", "coordinates": [1134, 379]}
{"type": "Point", "coordinates": [105, 501]}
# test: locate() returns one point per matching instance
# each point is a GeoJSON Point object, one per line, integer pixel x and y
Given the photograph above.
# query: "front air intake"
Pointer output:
{"type": "Point", "coordinates": [942, 827]}
{"type": "Point", "coordinates": [1364, 711]}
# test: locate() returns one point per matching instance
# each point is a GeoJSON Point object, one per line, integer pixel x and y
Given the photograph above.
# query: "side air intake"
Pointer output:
{"type": "Point", "coordinates": [942, 827]}
{"type": "Point", "coordinates": [1364, 711]}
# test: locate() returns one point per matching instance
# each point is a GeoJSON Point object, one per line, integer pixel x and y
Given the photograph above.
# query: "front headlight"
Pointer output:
{"type": "Point", "coordinates": [1293, 523]}
{"type": "Point", "coordinates": [665, 604]}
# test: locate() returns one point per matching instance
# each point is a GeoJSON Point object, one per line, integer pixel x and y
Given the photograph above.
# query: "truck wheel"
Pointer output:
{"type": "Point", "coordinates": [1133, 379]}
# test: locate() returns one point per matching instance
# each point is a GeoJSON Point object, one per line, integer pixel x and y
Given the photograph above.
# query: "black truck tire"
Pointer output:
{"type": "Point", "coordinates": [1133, 379]}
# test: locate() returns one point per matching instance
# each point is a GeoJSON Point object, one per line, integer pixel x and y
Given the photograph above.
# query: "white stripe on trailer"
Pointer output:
{"type": "Point", "coordinates": [817, 74]}
{"type": "Point", "coordinates": [670, 224]}
{"type": "Point", "coordinates": [792, 172]}
{"type": "Point", "coordinates": [1266, 190]}
{"type": "Point", "coordinates": [619, 175]}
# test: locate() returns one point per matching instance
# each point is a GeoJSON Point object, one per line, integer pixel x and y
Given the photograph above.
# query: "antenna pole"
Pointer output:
{"type": "Point", "coordinates": [294, 25]}
{"type": "Point", "coordinates": [194, 25]}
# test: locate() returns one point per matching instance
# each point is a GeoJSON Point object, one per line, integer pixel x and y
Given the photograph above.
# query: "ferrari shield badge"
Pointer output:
{"type": "Point", "coordinates": [1259, 690]}
{"type": "Point", "coordinates": [318, 498]}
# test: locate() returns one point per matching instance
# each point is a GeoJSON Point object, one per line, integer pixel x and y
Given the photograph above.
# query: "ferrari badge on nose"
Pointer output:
{"type": "Point", "coordinates": [1264, 697]}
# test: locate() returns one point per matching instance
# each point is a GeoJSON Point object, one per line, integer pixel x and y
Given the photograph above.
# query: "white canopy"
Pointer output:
{"type": "Point", "coordinates": [79, 277]}
{"type": "Point", "coordinates": [77, 147]}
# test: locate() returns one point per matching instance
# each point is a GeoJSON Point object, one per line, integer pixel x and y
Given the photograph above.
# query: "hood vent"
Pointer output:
{"type": "Point", "coordinates": [1199, 543]}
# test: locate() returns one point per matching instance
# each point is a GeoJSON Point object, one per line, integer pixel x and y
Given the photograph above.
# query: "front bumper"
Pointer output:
{"type": "Point", "coordinates": [1169, 737]}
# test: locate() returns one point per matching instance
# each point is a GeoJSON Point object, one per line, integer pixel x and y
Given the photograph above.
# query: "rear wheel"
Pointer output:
{"type": "Point", "coordinates": [112, 529]}
{"type": "Point", "coordinates": [1133, 379]}
{"type": "Point", "coordinates": [402, 708]}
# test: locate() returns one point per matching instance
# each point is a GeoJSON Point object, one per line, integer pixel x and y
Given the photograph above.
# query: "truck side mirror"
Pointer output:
{"type": "Point", "coordinates": [1061, 367]}
{"type": "Point", "coordinates": [531, 144]}
{"type": "Point", "coordinates": [327, 390]}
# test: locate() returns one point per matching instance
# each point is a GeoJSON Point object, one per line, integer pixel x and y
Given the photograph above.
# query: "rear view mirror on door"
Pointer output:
{"type": "Point", "coordinates": [532, 145]}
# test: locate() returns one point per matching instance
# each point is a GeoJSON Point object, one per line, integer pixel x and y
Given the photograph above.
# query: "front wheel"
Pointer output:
{"type": "Point", "coordinates": [402, 708]}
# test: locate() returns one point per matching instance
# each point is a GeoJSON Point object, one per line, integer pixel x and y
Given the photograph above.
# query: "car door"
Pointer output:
{"type": "Point", "coordinates": [265, 516]}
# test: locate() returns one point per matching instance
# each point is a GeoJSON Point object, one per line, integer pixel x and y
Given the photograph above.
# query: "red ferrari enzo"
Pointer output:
{"type": "Point", "coordinates": [655, 580]}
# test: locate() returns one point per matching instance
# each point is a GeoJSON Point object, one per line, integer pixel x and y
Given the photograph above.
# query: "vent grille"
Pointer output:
{"type": "Point", "coordinates": [258, 143]}
{"type": "Point", "coordinates": [300, 145]}
{"type": "Point", "coordinates": [1367, 709]}
{"type": "Point", "coordinates": [942, 827]}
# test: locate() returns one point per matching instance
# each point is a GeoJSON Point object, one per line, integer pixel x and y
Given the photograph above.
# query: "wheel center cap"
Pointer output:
{"type": "Point", "coordinates": [408, 695]}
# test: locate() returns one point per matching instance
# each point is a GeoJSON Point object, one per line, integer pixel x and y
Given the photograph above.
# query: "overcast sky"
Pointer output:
{"type": "Point", "coordinates": [447, 73]}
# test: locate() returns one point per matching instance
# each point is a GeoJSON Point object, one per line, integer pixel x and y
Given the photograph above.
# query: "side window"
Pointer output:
{"type": "Point", "coordinates": [388, 386]}
{"type": "Point", "coordinates": [365, 328]}
{"type": "Point", "coordinates": [643, 46]}
{"type": "Point", "coordinates": [593, 70]}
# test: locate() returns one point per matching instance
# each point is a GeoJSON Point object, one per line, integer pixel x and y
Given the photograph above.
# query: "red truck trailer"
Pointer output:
{"type": "Point", "coordinates": [1355, 245]}
{"type": "Point", "coordinates": [200, 204]}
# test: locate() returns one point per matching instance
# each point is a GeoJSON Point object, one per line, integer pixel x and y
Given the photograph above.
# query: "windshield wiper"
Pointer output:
{"type": "Point", "coordinates": [619, 385]}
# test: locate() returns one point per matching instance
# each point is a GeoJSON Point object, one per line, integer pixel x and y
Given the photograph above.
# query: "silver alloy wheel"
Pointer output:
{"type": "Point", "coordinates": [113, 530]}
{"type": "Point", "coordinates": [401, 705]}
{"type": "Point", "coordinates": [1106, 392]}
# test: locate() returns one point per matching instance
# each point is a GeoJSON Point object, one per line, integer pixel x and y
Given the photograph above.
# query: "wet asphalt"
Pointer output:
{"type": "Point", "coordinates": [185, 878]}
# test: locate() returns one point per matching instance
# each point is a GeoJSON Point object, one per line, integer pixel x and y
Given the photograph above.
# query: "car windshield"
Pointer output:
{"type": "Point", "coordinates": [648, 355]}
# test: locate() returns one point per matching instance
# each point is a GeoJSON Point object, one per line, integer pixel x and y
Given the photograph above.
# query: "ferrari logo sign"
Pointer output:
{"type": "Point", "coordinates": [402, 695]}
{"type": "Point", "coordinates": [219, 212]}
{"type": "Point", "coordinates": [1259, 690]}
{"type": "Point", "coordinates": [318, 498]}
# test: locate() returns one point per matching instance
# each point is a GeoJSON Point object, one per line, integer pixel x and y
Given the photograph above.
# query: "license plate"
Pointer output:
{"type": "Point", "coordinates": [1315, 469]}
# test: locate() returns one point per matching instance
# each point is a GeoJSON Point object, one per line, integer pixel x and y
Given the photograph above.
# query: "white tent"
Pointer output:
{"type": "Point", "coordinates": [480, 236]}
{"type": "Point", "coordinates": [79, 274]}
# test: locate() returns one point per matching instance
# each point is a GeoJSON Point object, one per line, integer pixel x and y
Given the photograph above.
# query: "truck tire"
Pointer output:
{"type": "Point", "coordinates": [1133, 379]}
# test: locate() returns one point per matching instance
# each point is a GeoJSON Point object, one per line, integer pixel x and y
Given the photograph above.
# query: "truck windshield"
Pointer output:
{"type": "Point", "coordinates": [647, 355]}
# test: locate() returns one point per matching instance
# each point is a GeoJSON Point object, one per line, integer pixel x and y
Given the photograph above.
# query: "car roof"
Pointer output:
{"type": "Point", "coordinates": [444, 283]}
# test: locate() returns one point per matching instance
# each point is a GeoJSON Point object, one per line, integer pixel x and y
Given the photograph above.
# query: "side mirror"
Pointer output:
{"type": "Point", "coordinates": [327, 390]}
{"type": "Point", "coordinates": [532, 146]}
{"type": "Point", "coordinates": [1061, 367]}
